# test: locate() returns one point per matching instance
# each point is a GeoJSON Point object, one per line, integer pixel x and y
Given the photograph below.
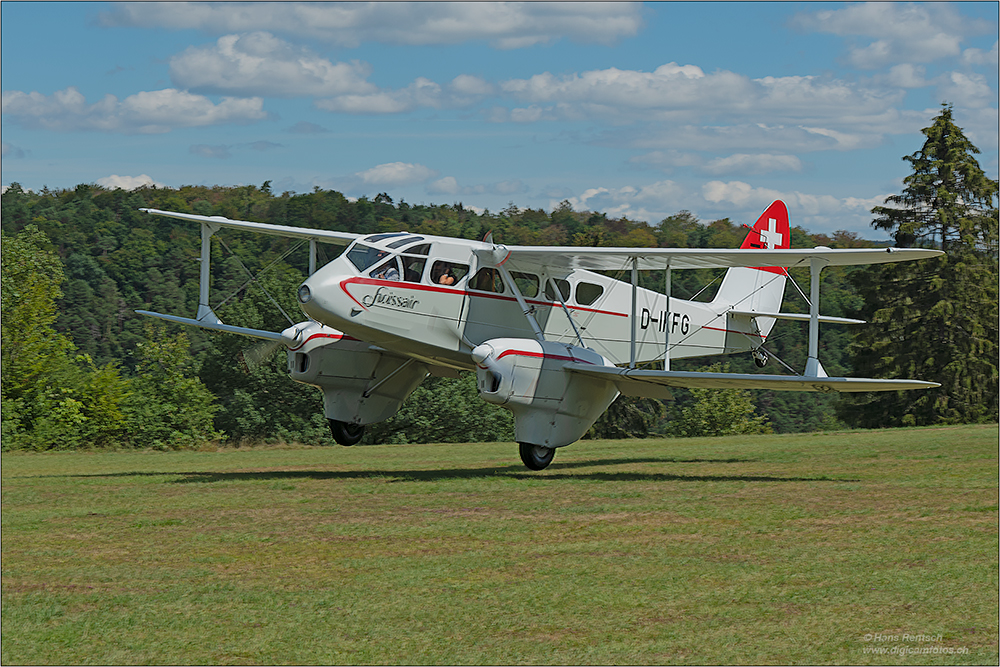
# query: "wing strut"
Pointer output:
{"type": "Point", "coordinates": [635, 282]}
{"type": "Point", "coordinates": [529, 311]}
{"type": "Point", "coordinates": [205, 312]}
{"type": "Point", "coordinates": [666, 327]}
{"type": "Point", "coordinates": [813, 367]}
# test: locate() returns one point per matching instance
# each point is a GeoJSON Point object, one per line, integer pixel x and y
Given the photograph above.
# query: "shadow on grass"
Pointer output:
{"type": "Point", "coordinates": [554, 472]}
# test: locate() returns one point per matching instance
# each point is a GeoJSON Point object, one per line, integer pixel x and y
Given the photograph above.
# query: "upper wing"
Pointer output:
{"type": "Point", "coordinates": [655, 259]}
{"type": "Point", "coordinates": [342, 238]}
{"type": "Point", "coordinates": [656, 384]}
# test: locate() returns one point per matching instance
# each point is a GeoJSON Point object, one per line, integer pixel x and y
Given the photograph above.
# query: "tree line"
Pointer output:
{"type": "Point", "coordinates": [80, 368]}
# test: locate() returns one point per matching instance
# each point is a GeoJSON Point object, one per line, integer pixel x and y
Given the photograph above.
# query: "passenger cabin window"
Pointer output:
{"type": "Point", "coordinates": [588, 293]}
{"type": "Point", "coordinates": [487, 280]}
{"type": "Point", "coordinates": [448, 273]}
{"type": "Point", "coordinates": [527, 284]}
{"type": "Point", "coordinates": [550, 293]}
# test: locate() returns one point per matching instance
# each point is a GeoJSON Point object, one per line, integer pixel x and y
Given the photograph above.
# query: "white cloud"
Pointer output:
{"type": "Point", "coordinates": [644, 202]}
{"type": "Point", "coordinates": [505, 25]}
{"type": "Point", "coordinates": [421, 93]}
{"type": "Point", "coordinates": [444, 186]}
{"type": "Point", "coordinates": [966, 90]}
{"type": "Point", "coordinates": [305, 127]}
{"type": "Point", "coordinates": [758, 137]}
{"type": "Point", "coordinates": [449, 186]}
{"type": "Point", "coordinates": [395, 174]}
{"type": "Point", "coordinates": [744, 196]}
{"type": "Point", "coordinates": [900, 33]}
{"type": "Point", "coordinates": [759, 163]}
{"type": "Point", "coordinates": [980, 126]}
{"type": "Point", "coordinates": [980, 57]}
{"type": "Point", "coordinates": [127, 182]}
{"type": "Point", "coordinates": [150, 112]}
{"type": "Point", "coordinates": [668, 160]}
{"type": "Point", "coordinates": [261, 64]}
{"type": "Point", "coordinates": [676, 94]}
{"type": "Point", "coordinates": [220, 152]}
{"type": "Point", "coordinates": [11, 151]}
{"type": "Point", "coordinates": [906, 76]}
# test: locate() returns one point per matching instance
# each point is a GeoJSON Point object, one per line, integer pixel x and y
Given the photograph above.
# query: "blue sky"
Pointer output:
{"type": "Point", "coordinates": [639, 110]}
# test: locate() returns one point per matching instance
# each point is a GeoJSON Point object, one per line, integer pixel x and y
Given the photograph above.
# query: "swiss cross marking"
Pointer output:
{"type": "Point", "coordinates": [770, 236]}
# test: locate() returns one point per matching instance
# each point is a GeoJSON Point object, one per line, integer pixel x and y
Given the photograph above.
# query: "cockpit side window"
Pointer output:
{"type": "Point", "coordinates": [386, 271]}
{"type": "Point", "coordinates": [363, 256]}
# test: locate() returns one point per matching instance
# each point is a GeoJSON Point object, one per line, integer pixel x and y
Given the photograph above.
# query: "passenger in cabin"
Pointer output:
{"type": "Point", "coordinates": [443, 274]}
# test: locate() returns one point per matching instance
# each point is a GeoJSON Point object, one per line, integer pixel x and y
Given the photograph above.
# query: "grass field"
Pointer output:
{"type": "Point", "coordinates": [842, 548]}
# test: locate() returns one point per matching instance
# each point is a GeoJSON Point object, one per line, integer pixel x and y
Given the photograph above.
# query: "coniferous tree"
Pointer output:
{"type": "Point", "coordinates": [935, 319]}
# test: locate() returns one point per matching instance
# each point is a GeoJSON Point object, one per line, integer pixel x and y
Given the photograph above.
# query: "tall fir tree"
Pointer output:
{"type": "Point", "coordinates": [936, 319]}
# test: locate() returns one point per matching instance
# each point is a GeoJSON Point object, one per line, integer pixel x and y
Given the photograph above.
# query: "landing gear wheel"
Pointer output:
{"type": "Point", "coordinates": [346, 434]}
{"type": "Point", "coordinates": [759, 357]}
{"type": "Point", "coordinates": [536, 457]}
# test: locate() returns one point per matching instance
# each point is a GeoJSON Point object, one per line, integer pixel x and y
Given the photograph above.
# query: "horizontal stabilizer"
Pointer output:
{"type": "Point", "coordinates": [795, 317]}
{"type": "Point", "coordinates": [215, 326]}
{"type": "Point", "coordinates": [651, 383]}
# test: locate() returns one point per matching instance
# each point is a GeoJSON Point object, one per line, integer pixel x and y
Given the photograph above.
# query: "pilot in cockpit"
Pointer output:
{"type": "Point", "coordinates": [387, 271]}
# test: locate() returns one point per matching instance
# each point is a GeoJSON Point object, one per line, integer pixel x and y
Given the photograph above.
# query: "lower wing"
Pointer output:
{"type": "Point", "coordinates": [657, 384]}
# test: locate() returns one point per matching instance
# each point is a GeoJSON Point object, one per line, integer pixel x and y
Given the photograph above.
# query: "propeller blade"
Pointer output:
{"type": "Point", "coordinates": [253, 357]}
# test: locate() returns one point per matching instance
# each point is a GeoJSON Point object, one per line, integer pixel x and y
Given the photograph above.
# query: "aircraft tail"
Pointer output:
{"type": "Point", "coordinates": [759, 288]}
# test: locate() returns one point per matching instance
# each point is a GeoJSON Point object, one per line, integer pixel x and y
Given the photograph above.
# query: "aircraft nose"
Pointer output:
{"type": "Point", "coordinates": [315, 296]}
{"type": "Point", "coordinates": [305, 293]}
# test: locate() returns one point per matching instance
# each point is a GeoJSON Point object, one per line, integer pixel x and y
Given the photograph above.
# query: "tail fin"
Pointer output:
{"type": "Point", "coordinates": [759, 288]}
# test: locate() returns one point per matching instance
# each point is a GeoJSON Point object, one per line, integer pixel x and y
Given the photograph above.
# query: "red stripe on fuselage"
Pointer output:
{"type": "Point", "coordinates": [420, 287]}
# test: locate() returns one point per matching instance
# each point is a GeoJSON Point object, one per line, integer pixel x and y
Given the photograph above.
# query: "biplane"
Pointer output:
{"type": "Point", "coordinates": [550, 336]}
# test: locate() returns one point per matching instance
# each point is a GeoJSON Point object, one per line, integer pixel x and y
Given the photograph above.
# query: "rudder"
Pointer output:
{"type": "Point", "coordinates": [759, 288]}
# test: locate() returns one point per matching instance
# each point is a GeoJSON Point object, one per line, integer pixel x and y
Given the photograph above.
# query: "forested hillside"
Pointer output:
{"type": "Point", "coordinates": [114, 260]}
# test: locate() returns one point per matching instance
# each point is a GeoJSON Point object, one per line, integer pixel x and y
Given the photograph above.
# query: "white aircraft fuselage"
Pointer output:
{"type": "Point", "coordinates": [412, 311]}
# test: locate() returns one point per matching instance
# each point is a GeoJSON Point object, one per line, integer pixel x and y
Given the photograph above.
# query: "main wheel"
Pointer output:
{"type": "Point", "coordinates": [536, 457]}
{"type": "Point", "coordinates": [346, 434]}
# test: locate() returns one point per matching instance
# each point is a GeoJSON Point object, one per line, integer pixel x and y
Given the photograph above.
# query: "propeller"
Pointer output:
{"type": "Point", "coordinates": [484, 356]}
{"type": "Point", "coordinates": [252, 357]}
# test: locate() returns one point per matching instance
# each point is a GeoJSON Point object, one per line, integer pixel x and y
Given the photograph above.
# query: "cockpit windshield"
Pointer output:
{"type": "Point", "coordinates": [362, 256]}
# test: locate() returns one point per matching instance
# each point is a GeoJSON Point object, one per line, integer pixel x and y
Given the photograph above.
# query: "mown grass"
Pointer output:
{"type": "Point", "coordinates": [768, 549]}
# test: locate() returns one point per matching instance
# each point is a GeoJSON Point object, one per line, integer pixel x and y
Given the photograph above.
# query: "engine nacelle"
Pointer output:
{"type": "Point", "coordinates": [552, 406]}
{"type": "Point", "coordinates": [360, 385]}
